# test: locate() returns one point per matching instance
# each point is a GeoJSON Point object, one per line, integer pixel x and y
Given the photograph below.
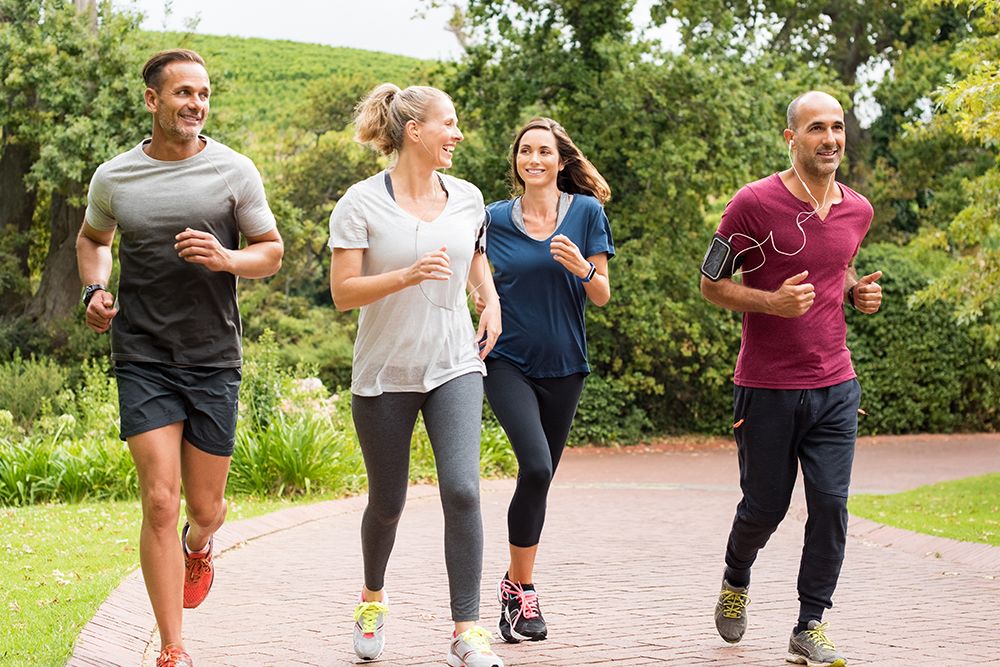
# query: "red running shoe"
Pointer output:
{"type": "Point", "coordinates": [173, 656]}
{"type": "Point", "coordinates": [199, 573]}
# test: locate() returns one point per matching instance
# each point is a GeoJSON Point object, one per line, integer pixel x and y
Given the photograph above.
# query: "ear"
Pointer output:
{"type": "Point", "coordinates": [789, 138]}
{"type": "Point", "coordinates": [411, 130]}
{"type": "Point", "coordinates": [150, 98]}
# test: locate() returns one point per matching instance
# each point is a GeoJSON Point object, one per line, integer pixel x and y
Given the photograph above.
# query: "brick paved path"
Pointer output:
{"type": "Point", "coordinates": [628, 572]}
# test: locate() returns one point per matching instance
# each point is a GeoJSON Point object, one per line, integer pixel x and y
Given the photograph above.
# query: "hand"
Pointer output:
{"type": "Point", "coordinates": [566, 253]}
{"type": "Point", "coordinates": [793, 298]}
{"type": "Point", "coordinates": [203, 248]}
{"type": "Point", "coordinates": [489, 328]}
{"type": "Point", "coordinates": [431, 266]}
{"type": "Point", "coordinates": [478, 301]}
{"type": "Point", "coordinates": [100, 311]}
{"type": "Point", "coordinates": [868, 294]}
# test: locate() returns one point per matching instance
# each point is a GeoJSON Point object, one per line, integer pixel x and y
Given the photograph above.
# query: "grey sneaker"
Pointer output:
{"type": "Point", "coordinates": [731, 612]}
{"type": "Point", "coordinates": [812, 647]}
{"type": "Point", "coordinates": [472, 649]}
{"type": "Point", "coordinates": [369, 628]}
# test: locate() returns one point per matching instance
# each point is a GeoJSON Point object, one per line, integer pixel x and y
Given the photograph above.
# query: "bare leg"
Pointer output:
{"type": "Point", "coordinates": [204, 478]}
{"type": "Point", "coordinates": [522, 564]}
{"type": "Point", "coordinates": [157, 456]}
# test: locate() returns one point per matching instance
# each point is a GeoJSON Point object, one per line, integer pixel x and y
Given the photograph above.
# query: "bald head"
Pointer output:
{"type": "Point", "coordinates": [810, 99]}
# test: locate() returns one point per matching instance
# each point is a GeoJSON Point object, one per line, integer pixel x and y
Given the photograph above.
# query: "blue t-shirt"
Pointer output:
{"type": "Point", "coordinates": [542, 303]}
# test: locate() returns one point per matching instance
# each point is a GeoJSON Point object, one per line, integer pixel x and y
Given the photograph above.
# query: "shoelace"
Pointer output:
{"type": "Point", "coordinates": [527, 599]}
{"type": "Point", "coordinates": [734, 603]}
{"type": "Point", "coordinates": [367, 613]}
{"type": "Point", "coordinates": [197, 567]}
{"type": "Point", "coordinates": [818, 635]}
{"type": "Point", "coordinates": [173, 656]}
{"type": "Point", "coordinates": [478, 638]}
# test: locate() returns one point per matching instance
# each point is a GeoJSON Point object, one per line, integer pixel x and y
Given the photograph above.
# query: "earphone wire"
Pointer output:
{"type": "Point", "coordinates": [800, 220]}
{"type": "Point", "coordinates": [479, 249]}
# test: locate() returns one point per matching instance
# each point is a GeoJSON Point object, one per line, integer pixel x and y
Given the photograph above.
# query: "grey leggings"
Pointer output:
{"type": "Point", "coordinates": [453, 417]}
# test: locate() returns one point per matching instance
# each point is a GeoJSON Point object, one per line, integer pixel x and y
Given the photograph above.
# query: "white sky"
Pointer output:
{"type": "Point", "coordinates": [375, 25]}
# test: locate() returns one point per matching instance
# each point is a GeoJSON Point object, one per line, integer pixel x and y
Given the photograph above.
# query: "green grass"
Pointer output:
{"type": "Point", "coordinates": [965, 509]}
{"type": "Point", "coordinates": [62, 561]}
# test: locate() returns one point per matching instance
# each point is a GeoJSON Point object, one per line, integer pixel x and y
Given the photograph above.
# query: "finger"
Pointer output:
{"type": "Point", "coordinates": [870, 278]}
{"type": "Point", "coordinates": [797, 278]}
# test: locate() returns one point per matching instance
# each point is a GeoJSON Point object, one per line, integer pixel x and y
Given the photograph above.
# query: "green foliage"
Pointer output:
{"type": "Point", "coordinates": [971, 108]}
{"type": "Point", "coordinates": [31, 387]}
{"type": "Point", "coordinates": [963, 509]}
{"type": "Point", "coordinates": [921, 371]}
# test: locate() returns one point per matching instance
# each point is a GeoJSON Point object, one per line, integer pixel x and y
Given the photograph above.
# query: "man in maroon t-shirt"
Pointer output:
{"type": "Point", "coordinates": [793, 237]}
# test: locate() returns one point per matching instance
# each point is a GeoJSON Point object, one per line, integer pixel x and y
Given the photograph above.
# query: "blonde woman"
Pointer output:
{"type": "Point", "coordinates": [404, 245]}
{"type": "Point", "coordinates": [549, 247]}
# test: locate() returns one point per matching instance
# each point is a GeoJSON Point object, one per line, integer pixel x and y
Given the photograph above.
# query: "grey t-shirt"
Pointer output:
{"type": "Point", "coordinates": [172, 311]}
{"type": "Point", "coordinates": [420, 337]}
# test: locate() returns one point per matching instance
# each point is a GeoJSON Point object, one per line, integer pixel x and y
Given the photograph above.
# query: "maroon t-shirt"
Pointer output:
{"type": "Point", "coordinates": [809, 351]}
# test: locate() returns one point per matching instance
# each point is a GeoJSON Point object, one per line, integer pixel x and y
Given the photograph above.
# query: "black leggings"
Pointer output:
{"type": "Point", "coordinates": [536, 414]}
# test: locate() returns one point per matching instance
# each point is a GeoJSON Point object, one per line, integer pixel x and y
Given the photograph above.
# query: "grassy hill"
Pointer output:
{"type": "Point", "coordinates": [259, 83]}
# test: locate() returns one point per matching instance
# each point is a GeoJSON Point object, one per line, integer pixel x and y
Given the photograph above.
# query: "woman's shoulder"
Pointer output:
{"type": "Point", "coordinates": [588, 202]}
{"type": "Point", "coordinates": [461, 186]}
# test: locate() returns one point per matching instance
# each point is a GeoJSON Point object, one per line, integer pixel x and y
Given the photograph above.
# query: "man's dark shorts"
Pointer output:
{"type": "Point", "coordinates": [152, 395]}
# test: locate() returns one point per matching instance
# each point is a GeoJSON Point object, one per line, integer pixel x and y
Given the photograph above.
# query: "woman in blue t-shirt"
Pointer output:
{"type": "Point", "coordinates": [549, 248]}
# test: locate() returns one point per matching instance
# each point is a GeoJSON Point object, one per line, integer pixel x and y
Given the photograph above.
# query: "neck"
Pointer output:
{"type": "Point", "coordinates": [543, 200]}
{"type": "Point", "coordinates": [821, 187]}
{"type": "Point", "coordinates": [170, 150]}
{"type": "Point", "coordinates": [414, 176]}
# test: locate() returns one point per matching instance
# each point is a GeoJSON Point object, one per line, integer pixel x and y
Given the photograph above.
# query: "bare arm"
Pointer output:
{"type": "Point", "coordinates": [350, 289]}
{"type": "Point", "coordinates": [93, 258]}
{"type": "Point", "coordinates": [484, 293]}
{"type": "Point", "coordinates": [259, 259]}
{"type": "Point", "coordinates": [568, 254]}
{"type": "Point", "coordinates": [792, 299]}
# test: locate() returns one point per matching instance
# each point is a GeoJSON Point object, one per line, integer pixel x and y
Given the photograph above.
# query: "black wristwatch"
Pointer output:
{"type": "Point", "coordinates": [850, 296]}
{"type": "Point", "coordinates": [90, 290]}
{"type": "Point", "coordinates": [590, 274]}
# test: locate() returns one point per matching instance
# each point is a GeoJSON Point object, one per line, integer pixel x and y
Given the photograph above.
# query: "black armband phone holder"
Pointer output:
{"type": "Point", "coordinates": [718, 261]}
{"type": "Point", "coordinates": [481, 237]}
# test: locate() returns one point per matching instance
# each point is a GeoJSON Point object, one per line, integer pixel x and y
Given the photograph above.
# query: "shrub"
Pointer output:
{"type": "Point", "coordinates": [32, 387]}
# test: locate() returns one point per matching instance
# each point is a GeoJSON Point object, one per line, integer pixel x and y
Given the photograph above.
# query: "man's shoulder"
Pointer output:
{"type": "Point", "coordinates": [216, 150]}
{"type": "Point", "coordinates": [124, 162]}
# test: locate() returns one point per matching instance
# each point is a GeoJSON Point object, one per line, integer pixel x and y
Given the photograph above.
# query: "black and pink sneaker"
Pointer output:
{"type": "Point", "coordinates": [520, 616]}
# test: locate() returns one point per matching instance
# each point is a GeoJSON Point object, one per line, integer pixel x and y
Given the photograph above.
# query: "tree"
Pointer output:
{"type": "Point", "coordinates": [972, 107]}
{"type": "Point", "coordinates": [69, 81]}
{"type": "Point", "coordinates": [846, 39]}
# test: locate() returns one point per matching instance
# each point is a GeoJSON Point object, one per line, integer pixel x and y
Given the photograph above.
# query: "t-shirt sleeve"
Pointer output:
{"type": "Point", "coordinates": [736, 225]}
{"type": "Point", "coordinates": [99, 214]}
{"type": "Point", "coordinates": [253, 214]}
{"type": "Point", "coordinates": [348, 227]}
{"type": "Point", "coordinates": [599, 236]}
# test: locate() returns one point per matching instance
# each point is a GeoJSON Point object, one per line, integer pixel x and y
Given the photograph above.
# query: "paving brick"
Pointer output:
{"type": "Point", "coordinates": [628, 571]}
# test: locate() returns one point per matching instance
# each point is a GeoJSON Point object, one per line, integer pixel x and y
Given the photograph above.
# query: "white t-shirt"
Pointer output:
{"type": "Point", "coordinates": [422, 336]}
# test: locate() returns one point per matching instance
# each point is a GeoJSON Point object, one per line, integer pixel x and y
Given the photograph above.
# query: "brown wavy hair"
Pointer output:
{"type": "Point", "coordinates": [578, 175]}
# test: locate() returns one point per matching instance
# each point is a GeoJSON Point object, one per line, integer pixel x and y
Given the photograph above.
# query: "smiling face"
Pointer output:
{"type": "Point", "coordinates": [537, 159]}
{"type": "Point", "coordinates": [438, 134]}
{"type": "Point", "coordinates": [180, 105]}
{"type": "Point", "coordinates": [819, 136]}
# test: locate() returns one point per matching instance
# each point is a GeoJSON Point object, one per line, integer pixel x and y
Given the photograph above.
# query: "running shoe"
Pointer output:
{"type": "Point", "coordinates": [199, 572]}
{"type": "Point", "coordinates": [731, 612]}
{"type": "Point", "coordinates": [520, 615]}
{"type": "Point", "coordinates": [369, 628]}
{"type": "Point", "coordinates": [173, 656]}
{"type": "Point", "coordinates": [813, 648]}
{"type": "Point", "coordinates": [472, 649]}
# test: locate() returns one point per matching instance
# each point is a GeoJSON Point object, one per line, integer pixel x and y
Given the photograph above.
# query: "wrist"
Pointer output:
{"type": "Point", "coordinates": [90, 290]}
{"type": "Point", "coordinates": [589, 274]}
{"type": "Point", "coordinates": [850, 296]}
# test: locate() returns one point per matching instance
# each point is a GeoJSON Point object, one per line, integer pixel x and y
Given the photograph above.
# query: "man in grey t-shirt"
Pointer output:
{"type": "Point", "coordinates": [180, 202]}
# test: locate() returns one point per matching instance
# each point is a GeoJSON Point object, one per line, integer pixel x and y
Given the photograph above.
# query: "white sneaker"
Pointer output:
{"type": "Point", "coordinates": [472, 649]}
{"type": "Point", "coordinates": [369, 628]}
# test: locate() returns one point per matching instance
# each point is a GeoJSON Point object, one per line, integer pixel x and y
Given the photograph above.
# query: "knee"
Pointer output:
{"type": "Point", "coordinates": [462, 498]}
{"type": "Point", "coordinates": [206, 514]}
{"type": "Point", "coordinates": [385, 511]}
{"type": "Point", "coordinates": [535, 477]}
{"type": "Point", "coordinates": [161, 507]}
{"type": "Point", "coordinates": [760, 517]}
{"type": "Point", "coordinates": [821, 504]}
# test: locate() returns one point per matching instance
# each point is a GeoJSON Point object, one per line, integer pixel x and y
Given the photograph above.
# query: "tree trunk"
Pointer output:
{"type": "Point", "coordinates": [17, 205]}
{"type": "Point", "coordinates": [59, 291]}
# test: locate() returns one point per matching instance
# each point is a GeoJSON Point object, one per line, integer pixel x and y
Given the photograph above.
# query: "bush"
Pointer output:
{"type": "Point", "coordinates": [32, 387]}
{"type": "Point", "coordinates": [920, 370]}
